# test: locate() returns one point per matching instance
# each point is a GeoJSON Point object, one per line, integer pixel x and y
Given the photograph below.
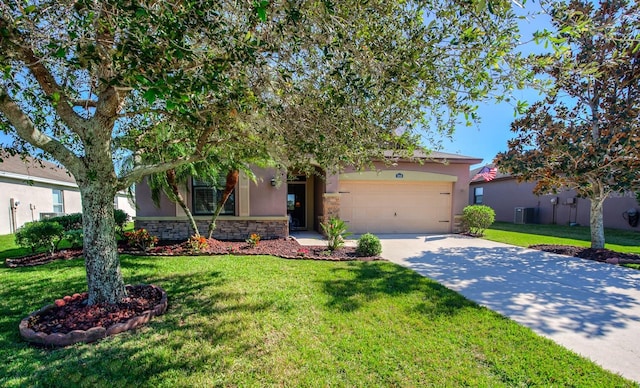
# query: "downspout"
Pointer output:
{"type": "Point", "coordinates": [13, 204]}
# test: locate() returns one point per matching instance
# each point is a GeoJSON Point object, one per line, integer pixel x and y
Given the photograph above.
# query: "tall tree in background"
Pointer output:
{"type": "Point", "coordinates": [91, 82]}
{"type": "Point", "coordinates": [586, 133]}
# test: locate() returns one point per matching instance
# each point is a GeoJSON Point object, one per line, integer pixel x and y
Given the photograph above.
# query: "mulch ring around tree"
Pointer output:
{"type": "Point", "coordinates": [70, 320]}
{"type": "Point", "coordinates": [601, 255]}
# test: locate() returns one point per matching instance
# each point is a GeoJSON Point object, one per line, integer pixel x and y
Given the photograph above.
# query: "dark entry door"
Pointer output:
{"type": "Point", "coordinates": [296, 205]}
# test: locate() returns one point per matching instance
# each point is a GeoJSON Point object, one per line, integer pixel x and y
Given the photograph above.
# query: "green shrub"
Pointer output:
{"type": "Point", "coordinates": [75, 237]}
{"type": "Point", "coordinates": [39, 234]}
{"type": "Point", "coordinates": [369, 245]}
{"type": "Point", "coordinates": [121, 218]}
{"type": "Point", "coordinates": [67, 221]}
{"type": "Point", "coordinates": [140, 239]}
{"type": "Point", "coordinates": [336, 231]}
{"type": "Point", "coordinates": [477, 218]}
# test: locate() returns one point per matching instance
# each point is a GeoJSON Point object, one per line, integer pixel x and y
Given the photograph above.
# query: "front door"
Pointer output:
{"type": "Point", "coordinates": [296, 205]}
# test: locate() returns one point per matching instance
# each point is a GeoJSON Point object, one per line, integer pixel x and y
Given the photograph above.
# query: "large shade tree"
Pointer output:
{"type": "Point", "coordinates": [585, 135]}
{"type": "Point", "coordinates": [89, 82]}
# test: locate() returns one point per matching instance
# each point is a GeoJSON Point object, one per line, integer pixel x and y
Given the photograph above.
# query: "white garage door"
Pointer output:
{"type": "Point", "coordinates": [396, 207]}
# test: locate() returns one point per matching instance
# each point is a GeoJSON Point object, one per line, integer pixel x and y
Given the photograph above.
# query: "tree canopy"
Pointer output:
{"type": "Point", "coordinates": [585, 134]}
{"type": "Point", "coordinates": [168, 83]}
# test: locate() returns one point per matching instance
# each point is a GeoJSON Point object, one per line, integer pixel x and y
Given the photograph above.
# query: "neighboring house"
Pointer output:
{"type": "Point", "coordinates": [30, 191]}
{"type": "Point", "coordinates": [515, 202]}
{"type": "Point", "coordinates": [407, 197]}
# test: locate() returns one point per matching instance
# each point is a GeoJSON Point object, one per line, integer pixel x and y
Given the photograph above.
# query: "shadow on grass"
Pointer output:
{"type": "Point", "coordinates": [204, 321]}
{"type": "Point", "coordinates": [16, 252]}
{"type": "Point", "coordinates": [582, 233]}
{"type": "Point", "coordinates": [366, 282]}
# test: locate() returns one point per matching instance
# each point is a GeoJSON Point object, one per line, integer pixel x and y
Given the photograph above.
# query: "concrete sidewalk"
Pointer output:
{"type": "Point", "coordinates": [589, 307]}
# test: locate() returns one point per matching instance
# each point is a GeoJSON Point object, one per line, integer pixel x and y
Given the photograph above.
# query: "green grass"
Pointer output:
{"type": "Point", "coordinates": [263, 321]}
{"type": "Point", "coordinates": [529, 234]}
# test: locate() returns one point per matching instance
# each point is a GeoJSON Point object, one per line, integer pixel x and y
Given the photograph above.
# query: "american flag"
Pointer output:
{"type": "Point", "coordinates": [486, 172]}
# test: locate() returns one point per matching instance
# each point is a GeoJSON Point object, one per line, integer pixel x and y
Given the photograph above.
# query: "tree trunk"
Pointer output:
{"type": "Point", "coordinates": [173, 183]}
{"type": "Point", "coordinates": [596, 223]}
{"type": "Point", "coordinates": [104, 279]}
{"type": "Point", "coordinates": [232, 181]}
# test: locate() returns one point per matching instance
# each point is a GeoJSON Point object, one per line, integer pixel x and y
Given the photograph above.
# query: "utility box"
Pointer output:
{"type": "Point", "coordinates": [524, 215]}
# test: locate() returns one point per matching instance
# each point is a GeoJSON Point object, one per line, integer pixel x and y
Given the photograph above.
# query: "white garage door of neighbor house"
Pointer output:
{"type": "Point", "coordinates": [396, 207]}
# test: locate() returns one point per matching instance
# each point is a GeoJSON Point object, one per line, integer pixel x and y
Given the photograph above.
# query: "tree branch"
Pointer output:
{"type": "Point", "coordinates": [28, 132]}
{"type": "Point", "coordinates": [52, 89]}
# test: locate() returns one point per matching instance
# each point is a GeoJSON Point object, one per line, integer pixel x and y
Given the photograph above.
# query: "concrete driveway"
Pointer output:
{"type": "Point", "coordinates": [591, 308]}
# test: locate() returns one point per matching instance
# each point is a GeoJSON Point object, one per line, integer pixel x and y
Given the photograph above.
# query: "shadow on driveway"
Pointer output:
{"type": "Point", "coordinates": [592, 308]}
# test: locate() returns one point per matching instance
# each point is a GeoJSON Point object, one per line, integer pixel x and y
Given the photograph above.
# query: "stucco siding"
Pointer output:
{"type": "Point", "coordinates": [34, 199]}
{"type": "Point", "coordinates": [146, 207]}
{"type": "Point", "coordinates": [458, 173]}
{"type": "Point", "coordinates": [505, 195]}
{"type": "Point", "coordinates": [124, 203]}
{"type": "Point", "coordinates": [265, 199]}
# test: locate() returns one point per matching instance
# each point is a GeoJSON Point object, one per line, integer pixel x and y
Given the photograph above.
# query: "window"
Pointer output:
{"type": "Point", "coordinates": [478, 193]}
{"type": "Point", "coordinates": [206, 197]}
{"type": "Point", "coordinates": [58, 201]}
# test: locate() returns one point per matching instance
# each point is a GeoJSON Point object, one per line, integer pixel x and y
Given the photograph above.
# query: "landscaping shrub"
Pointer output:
{"type": "Point", "coordinates": [140, 239]}
{"type": "Point", "coordinates": [477, 218]}
{"type": "Point", "coordinates": [75, 237]}
{"type": "Point", "coordinates": [253, 240]}
{"type": "Point", "coordinates": [197, 243]}
{"type": "Point", "coordinates": [369, 245]}
{"type": "Point", "coordinates": [39, 234]}
{"type": "Point", "coordinates": [121, 218]}
{"type": "Point", "coordinates": [336, 231]}
{"type": "Point", "coordinates": [74, 221]}
{"type": "Point", "coordinates": [67, 221]}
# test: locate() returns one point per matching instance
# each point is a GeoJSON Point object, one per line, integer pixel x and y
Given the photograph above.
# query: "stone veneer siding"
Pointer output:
{"type": "Point", "coordinates": [225, 229]}
{"type": "Point", "coordinates": [331, 208]}
{"type": "Point", "coordinates": [457, 223]}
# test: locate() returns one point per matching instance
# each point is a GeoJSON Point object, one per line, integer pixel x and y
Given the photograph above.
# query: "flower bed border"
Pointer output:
{"type": "Point", "coordinates": [93, 334]}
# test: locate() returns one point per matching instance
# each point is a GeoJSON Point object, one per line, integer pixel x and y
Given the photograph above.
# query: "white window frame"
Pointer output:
{"type": "Point", "coordinates": [58, 207]}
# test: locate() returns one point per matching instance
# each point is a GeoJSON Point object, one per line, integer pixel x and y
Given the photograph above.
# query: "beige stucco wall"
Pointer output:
{"type": "Point", "coordinates": [34, 199]}
{"type": "Point", "coordinates": [265, 199]}
{"type": "Point", "coordinates": [458, 173]}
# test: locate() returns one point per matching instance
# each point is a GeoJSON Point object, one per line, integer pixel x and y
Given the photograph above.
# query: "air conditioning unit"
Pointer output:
{"type": "Point", "coordinates": [524, 215]}
{"type": "Point", "coordinates": [44, 216]}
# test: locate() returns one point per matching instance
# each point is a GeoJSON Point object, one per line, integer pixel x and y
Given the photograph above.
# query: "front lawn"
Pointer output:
{"type": "Point", "coordinates": [530, 234]}
{"type": "Point", "coordinates": [264, 321]}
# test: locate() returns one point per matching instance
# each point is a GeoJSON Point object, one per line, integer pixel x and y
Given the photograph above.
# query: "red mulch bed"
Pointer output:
{"type": "Point", "coordinates": [601, 255]}
{"type": "Point", "coordinates": [287, 248]}
{"type": "Point", "coordinates": [73, 313]}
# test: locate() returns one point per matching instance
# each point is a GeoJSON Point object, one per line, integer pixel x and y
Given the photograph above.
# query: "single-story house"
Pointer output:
{"type": "Point", "coordinates": [405, 197]}
{"type": "Point", "coordinates": [32, 191]}
{"type": "Point", "coordinates": [515, 202]}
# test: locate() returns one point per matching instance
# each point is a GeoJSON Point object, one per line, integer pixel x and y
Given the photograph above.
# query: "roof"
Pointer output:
{"type": "Point", "coordinates": [440, 156]}
{"type": "Point", "coordinates": [499, 175]}
{"type": "Point", "coordinates": [30, 169]}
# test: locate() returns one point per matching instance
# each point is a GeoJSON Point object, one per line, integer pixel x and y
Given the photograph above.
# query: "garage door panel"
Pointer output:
{"type": "Point", "coordinates": [396, 207]}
